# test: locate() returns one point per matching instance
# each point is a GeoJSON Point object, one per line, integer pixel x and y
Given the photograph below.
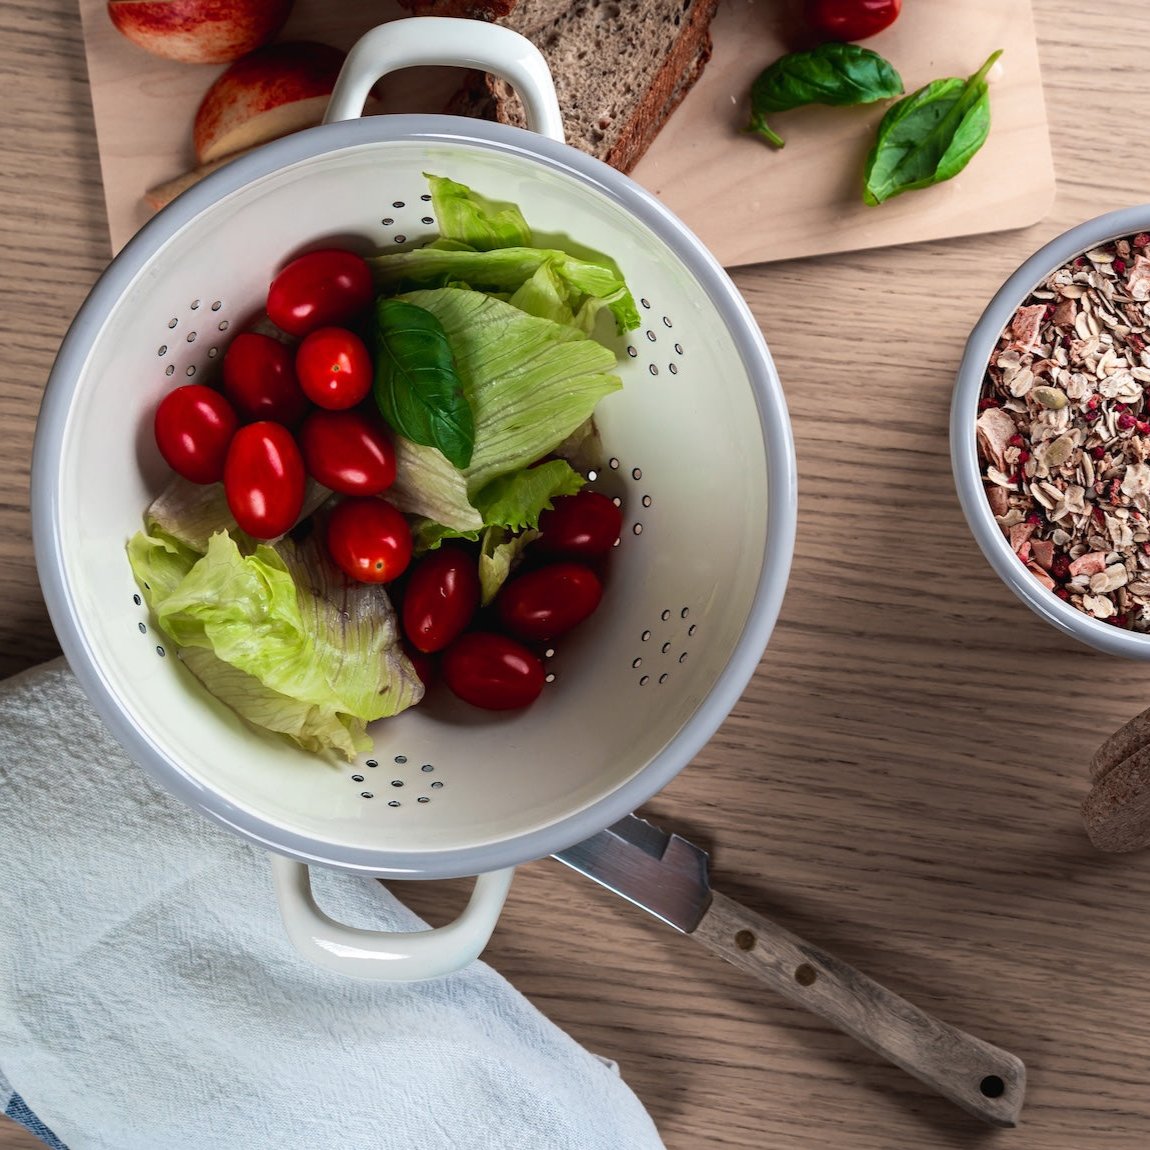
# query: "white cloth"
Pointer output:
{"type": "Point", "coordinates": [150, 1000]}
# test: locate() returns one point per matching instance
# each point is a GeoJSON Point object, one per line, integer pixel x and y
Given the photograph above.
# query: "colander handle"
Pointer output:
{"type": "Point", "coordinates": [442, 40]}
{"type": "Point", "coordinates": [384, 955]}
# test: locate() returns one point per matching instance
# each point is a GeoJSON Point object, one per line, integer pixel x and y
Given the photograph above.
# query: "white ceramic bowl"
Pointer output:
{"type": "Point", "coordinates": [963, 449]}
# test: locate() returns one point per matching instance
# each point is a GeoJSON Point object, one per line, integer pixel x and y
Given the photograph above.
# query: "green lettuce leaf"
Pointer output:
{"type": "Point", "coordinates": [507, 270]}
{"type": "Point", "coordinates": [159, 562]}
{"type": "Point", "coordinates": [468, 218]}
{"type": "Point", "coordinates": [323, 650]}
{"type": "Point", "coordinates": [530, 382]}
{"type": "Point", "coordinates": [498, 553]}
{"type": "Point", "coordinates": [427, 535]}
{"type": "Point", "coordinates": [516, 500]}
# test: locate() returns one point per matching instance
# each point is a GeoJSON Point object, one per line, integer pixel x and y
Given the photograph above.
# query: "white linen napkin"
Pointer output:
{"type": "Point", "coordinates": [150, 999]}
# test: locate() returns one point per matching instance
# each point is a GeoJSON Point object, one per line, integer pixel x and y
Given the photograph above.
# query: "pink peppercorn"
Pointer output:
{"type": "Point", "coordinates": [1098, 452]}
{"type": "Point", "coordinates": [1023, 456]}
{"type": "Point", "coordinates": [1119, 266]}
{"type": "Point", "coordinates": [1141, 240]}
{"type": "Point", "coordinates": [1126, 420]}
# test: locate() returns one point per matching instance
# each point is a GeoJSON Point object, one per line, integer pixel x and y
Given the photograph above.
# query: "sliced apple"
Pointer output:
{"type": "Point", "coordinates": [199, 31]}
{"type": "Point", "coordinates": [277, 90]}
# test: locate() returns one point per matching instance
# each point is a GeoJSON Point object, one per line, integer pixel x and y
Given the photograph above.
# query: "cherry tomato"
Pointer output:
{"type": "Point", "coordinates": [347, 451]}
{"type": "Point", "coordinates": [194, 426]}
{"type": "Point", "coordinates": [584, 525]}
{"type": "Point", "coordinates": [425, 665]}
{"type": "Point", "coordinates": [441, 596]}
{"type": "Point", "coordinates": [318, 289]}
{"type": "Point", "coordinates": [548, 601]}
{"type": "Point", "coordinates": [368, 539]}
{"type": "Point", "coordinates": [851, 19]}
{"type": "Point", "coordinates": [264, 479]}
{"type": "Point", "coordinates": [334, 368]}
{"type": "Point", "coordinates": [259, 379]}
{"type": "Point", "coordinates": [492, 671]}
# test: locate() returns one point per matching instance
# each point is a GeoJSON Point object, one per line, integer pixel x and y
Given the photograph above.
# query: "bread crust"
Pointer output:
{"type": "Point", "coordinates": [490, 98]}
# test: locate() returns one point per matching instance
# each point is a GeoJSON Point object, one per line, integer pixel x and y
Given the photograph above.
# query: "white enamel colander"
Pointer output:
{"type": "Point", "coordinates": [697, 447]}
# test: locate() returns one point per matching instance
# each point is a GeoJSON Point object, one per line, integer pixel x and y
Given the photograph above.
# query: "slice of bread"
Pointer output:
{"type": "Point", "coordinates": [620, 69]}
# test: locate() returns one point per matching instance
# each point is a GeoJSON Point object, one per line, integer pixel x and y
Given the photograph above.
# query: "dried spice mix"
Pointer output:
{"type": "Point", "coordinates": [1064, 433]}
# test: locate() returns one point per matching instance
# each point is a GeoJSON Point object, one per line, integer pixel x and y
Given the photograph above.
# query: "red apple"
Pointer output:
{"type": "Point", "coordinates": [277, 90]}
{"type": "Point", "coordinates": [199, 31]}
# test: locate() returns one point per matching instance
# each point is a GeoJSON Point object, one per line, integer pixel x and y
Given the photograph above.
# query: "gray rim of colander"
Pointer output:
{"type": "Point", "coordinates": [963, 446]}
{"type": "Point", "coordinates": [781, 502]}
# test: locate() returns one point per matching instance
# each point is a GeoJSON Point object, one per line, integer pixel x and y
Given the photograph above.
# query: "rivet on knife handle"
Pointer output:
{"type": "Point", "coordinates": [981, 1078]}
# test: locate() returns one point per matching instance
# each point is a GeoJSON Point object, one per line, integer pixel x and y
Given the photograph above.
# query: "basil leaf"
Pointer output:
{"type": "Point", "coordinates": [930, 136]}
{"type": "Point", "coordinates": [416, 385]}
{"type": "Point", "coordinates": [840, 75]}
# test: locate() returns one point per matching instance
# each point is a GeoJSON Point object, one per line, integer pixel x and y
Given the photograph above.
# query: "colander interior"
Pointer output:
{"type": "Point", "coordinates": [684, 450]}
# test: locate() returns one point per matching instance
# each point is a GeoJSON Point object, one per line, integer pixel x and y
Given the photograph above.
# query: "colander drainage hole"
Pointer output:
{"type": "Point", "coordinates": [194, 305]}
{"type": "Point", "coordinates": [425, 198]}
{"type": "Point", "coordinates": [371, 763]}
{"type": "Point", "coordinates": [644, 680]}
{"type": "Point", "coordinates": [191, 370]}
{"type": "Point", "coordinates": [679, 348]}
{"type": "Point", "coordinates": [397, 782]}
{"type": "Point", "coordinates": [632, 351]}
{"type": "Point", "coordinates": [666, 321]}
{"type": "Point", "coordinates": [549, 678]}
{"type": "Point", "coordinates": [191, 337]}
{"type": "Point", "coordinates": [161, 652]}
{"type": "Point", "coordinates": [636, 473]}
{"type": "Point", "coordinates": [692, 629]}
{"type": "Point", "coordinates": [394, 803]}
{"type": "Point", "coordinates": [397, 204]}
{"type": "Point", "coordinates": [366, 795]}
{"type": "Point", "coordinates": [357, 778]}
{"type": "Point", "coordinates": [401, 239]}
{"type": "Point", "coordinates": [137, 600]}
{"type": "Point", "coordinates": [652, 369]}
{"type": "Point", "coordinates": [217, 304]}
{"type": "Point", "coordinates": [637, 529]}
{"type": "Point", "coordinates": [401, 758]}
{"type": "Point", "coordinates": [665, 616]}
{"type": "Point", "coordinates": [646, 501]}
{"type": "Point", "coordinates": [427, 768]}
{"type": "Point", "coordinates": [672, 369]}
{"type": "Point", "coordinates": [636, 663]}
{"type": "Point", "coordinates": [387, 221]}
{"type": "Point", "coordinates": [427, 220]}
{"type": "Point", "coordinates": [437, 785]}
{"type": "Point", "coordinates": [423, 799]}
{"type": "Point", "coordinates": [173, 321]}
{"type": "Point", "coordinates": [613, 464]}
{"type": "Point", "coordinates": [645, 303]}
{"type": "Point", "coordinates": [645, 636]}
{"type": "Point", "coordinates": [663, 677]}
{"type": "Point", "coordinates": [650, 335]}
{"type": "Point", "coordinates": [666, 647]}
{"type": "Point", "coordinates": [143, 628]}
{"type": "Point", "coordinates": [162, 350]}
{"type": "Point", "coordinates": [170, 369]}
{"type": "Point", "coordinates": [224, 325]}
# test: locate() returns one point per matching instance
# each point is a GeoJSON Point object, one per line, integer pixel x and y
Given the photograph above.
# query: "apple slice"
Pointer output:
{"type": "Point", "coordinates": [199, 31]}
{"type": "Point", "coordinates": [274, 91]}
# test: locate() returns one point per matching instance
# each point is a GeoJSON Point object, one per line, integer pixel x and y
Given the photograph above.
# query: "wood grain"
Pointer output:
{"type": "Point", "coordinates": [747, 202]}
{"type": "Point", "coordinates": [900, 783]}
{"type": "Point", "coordinates": [985, 1081]}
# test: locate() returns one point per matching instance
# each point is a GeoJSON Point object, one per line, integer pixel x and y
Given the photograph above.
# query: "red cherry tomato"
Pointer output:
{"type": "Point", "coordinates": [368, 539]}
{"type": "Point", "coordinates": [584, 525]}
{"type": "Point", "coordinates": [548, 601]}
{"type": "Point", "coordinates": [441, 596]}
{"type": "Point", "coordinates": [492, 671]}
{"type": "Point", "coordinates": [334, 368]}
{"type": "Point", "coordinates": [851, 19]}
{"type": "Point", "coordinates": [264, 479]}
{"type": "Point", "coordinates": [348, 452]}
{"type": "Point", "coordinates": [318, 289]}
{"type": "Point", "coordinates": [425, 665]}
{"type": "Point", "coordinates": [259, 379]}
{"type": "Point", "coordinates": [194, 426]}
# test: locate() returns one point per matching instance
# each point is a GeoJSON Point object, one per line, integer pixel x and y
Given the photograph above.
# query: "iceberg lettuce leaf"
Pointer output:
{"type": "Point", "coordinates": [507, 270]}
{"type": "Point", "coordinates": [516, 500]}
{"type": "Point", "coordinates": [466, 217]}
{"type": "Point", "coordinates": [324, 650]}
{"type": "Point", "coordinates": [498, 553]}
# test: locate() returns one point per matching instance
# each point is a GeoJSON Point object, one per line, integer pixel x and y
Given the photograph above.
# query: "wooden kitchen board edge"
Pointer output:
{"type": "Point", "coordinates": [725, 184]}
{"type": "Point", "coordinates": [746, 202]}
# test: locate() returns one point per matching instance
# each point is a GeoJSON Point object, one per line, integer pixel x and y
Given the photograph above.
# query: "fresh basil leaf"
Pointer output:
{"type": "Point", "coordinates": [416, 385]}
{"type": "Point", "coordinates": [840, 75]}
{"type": "Point", "coordinates": [929, 136]}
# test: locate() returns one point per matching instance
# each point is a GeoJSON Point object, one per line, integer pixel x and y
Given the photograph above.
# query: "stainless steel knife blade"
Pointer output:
{"type": "Point", "coordinates": [660, 872]}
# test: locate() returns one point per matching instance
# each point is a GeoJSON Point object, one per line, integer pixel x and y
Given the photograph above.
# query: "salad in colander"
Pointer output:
{"type": "Point", "coordinates": [389, 482]}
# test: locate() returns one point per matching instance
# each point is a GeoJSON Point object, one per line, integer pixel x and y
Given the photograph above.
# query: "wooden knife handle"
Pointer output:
{"type": "Point", "coordinates": [981, 1078]}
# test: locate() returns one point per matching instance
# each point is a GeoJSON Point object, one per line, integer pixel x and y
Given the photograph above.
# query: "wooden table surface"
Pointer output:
{"type": "Point", "coordinates": [901, 781]}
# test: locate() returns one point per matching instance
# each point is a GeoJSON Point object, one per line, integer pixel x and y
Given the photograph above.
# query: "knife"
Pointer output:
{"type": "Point", "coordinates": [668, 877]}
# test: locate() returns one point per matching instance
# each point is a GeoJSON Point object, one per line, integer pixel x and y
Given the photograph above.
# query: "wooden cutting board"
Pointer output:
{"type": "Point", "coordinates": [746, 201]}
